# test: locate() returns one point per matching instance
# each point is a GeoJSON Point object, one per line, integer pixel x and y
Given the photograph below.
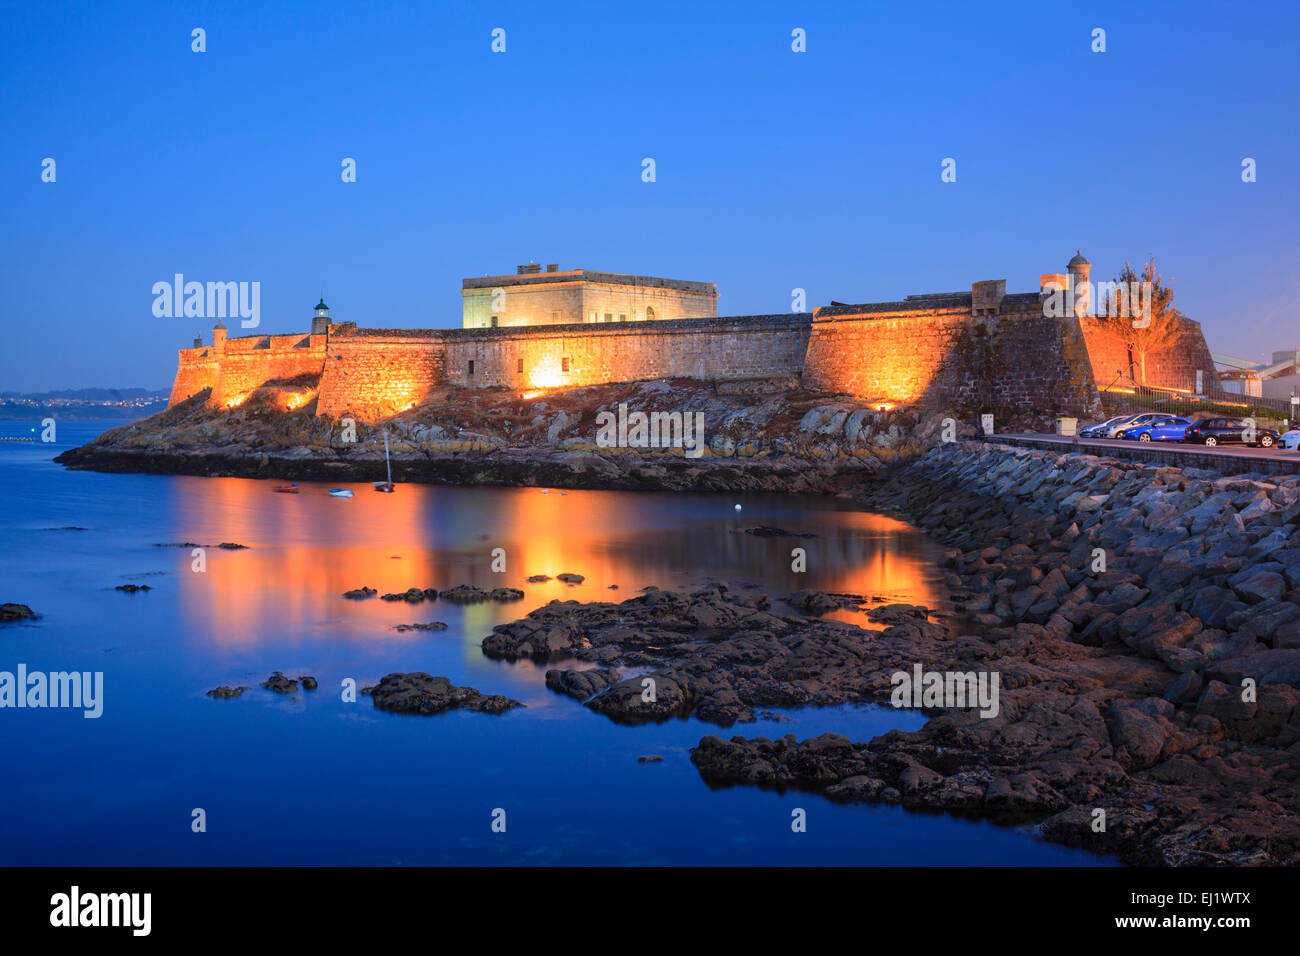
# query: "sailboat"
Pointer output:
{"type": "Point", "coordinates": [340, 492]}
{"type": "Point", "coordinates": [386, 486]}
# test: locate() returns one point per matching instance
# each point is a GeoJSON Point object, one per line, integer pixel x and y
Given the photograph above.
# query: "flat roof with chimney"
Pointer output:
{"type": "Point", "coordinates": [532, 274]}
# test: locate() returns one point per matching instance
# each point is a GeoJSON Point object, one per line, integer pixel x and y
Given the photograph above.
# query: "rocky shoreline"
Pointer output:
{"type": "Point", "coordinates": [1143, 624]}
{"type": "Point", "coordinates": [1148, 709]}
{"type": "Point", "coordinates": [518, 467]}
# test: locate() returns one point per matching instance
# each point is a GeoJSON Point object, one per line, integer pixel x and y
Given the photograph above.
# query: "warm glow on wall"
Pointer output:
{"type": "Point", "coordinates": [297, 400]}
{"type": "Point", "coordinates": [401, 397]}
{"type": "Point", "coordinates": [546, 374]}
{"type": "Point", "coordinates": [236, 401]}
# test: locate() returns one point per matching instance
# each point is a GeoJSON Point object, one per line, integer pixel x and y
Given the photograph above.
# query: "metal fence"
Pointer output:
{"type": "Point", "coordinates": [1128, 398]}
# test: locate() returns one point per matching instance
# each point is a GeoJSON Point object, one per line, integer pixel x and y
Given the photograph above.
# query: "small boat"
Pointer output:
{"type": "Point", "coordinates": [386, 486]}
{"type": "Point", "coordinates": [287, 489]}
{"type": "Point", "coordinates": [340, 492]}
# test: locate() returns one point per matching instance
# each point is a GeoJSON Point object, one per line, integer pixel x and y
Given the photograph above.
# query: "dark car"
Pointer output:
{"type": "Point", "coordinates": [1229, 431]}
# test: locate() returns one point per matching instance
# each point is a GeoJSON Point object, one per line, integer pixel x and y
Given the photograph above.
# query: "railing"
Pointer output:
{"type": "Point", "coordinates": [1123, 398]}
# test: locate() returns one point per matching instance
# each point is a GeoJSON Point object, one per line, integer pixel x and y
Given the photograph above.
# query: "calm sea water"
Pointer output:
{"type": "Point", "coordinates": [310, 779]}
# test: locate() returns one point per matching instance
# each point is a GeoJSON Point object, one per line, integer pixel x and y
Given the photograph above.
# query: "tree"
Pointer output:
{"type": "Point", "coordinates": [1140, 312]}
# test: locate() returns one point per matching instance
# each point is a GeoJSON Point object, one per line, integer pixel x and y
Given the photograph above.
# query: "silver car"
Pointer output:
{"type": "Point", "coordinates": [1130, 421]}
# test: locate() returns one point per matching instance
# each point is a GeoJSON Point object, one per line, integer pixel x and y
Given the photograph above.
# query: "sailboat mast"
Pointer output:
{"type": "Point", "coordinates": [387, 463]}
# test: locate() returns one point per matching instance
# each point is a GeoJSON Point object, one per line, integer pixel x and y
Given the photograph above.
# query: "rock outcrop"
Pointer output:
{"type": "Point", "coordinates": [424, 694]}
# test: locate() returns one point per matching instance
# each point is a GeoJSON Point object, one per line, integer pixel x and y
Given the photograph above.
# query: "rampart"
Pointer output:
{"type": "Point", "coordinates": [234, 367]}
{"type": "Point", "coordinates": [1000, 355]}
{"type": "Point", "coordinates": [977, 351]}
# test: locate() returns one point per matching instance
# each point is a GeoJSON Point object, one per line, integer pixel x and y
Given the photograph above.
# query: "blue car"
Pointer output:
{"type": "Point", "coordinates": [1166, 428]}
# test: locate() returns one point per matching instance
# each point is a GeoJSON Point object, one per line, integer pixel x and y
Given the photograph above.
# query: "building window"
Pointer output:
{"type": "Point", "coordinates": [564, 364]}
{"type": "Point", "coordinates": [494, 321]}
{"type": "Point", "coordinates": [622, 318]}
{"type": "Point", "coordinates": [649, 314]}
{"type": "Point", "coordinates": [471, 367]}
{"type": "Point", "coordinates": [593, 317]}
{"type": "Point", "coordinates": [520, 367]}
{"type": "Point", "coordinates": [556, 317]}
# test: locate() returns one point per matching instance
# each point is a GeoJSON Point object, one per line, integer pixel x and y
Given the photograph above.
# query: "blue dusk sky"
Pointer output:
{"type": "Point", "coordinates": [775, 170]}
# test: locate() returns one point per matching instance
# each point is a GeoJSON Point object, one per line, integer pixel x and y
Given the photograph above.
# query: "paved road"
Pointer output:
{"type": "Point", "coordinates": [1265, 459]}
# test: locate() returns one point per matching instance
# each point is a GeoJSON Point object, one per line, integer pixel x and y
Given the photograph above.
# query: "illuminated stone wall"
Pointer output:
{"type": "Point", "coordinates": [931, 350]}
{"type": "Point", "coordinates": [374, 374]}
{"type": "Point", "coordinates": [554, 303]}
{"type": "Point", "coordinates": [1172, 367]}
{"type": "Point", "coordinates": [548, 357]}
{"type": "Point", "coordinates": [196, 369]}
{"type": "Point", "coordinates": [237, 366]}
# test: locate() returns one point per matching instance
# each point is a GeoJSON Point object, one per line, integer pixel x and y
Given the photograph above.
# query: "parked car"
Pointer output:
{"type": "Point", "coordinates": [1100, 429]}
{"type": "Point", "coordinates": [1228, 431]}
{"type": "Point", "coordinates": [1132, 421]}
{"type": "Point", "coordinates": [1160, 429]}
{"type": "Point", "coordinates": [1290, 440]}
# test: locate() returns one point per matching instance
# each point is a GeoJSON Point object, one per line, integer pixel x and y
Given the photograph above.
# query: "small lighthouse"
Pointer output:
{"type": "Point", "coordinates": [320, 320]}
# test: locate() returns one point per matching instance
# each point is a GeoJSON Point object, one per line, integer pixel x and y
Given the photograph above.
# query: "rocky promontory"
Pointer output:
{"type": "Point", "coordinates": [759, 435]}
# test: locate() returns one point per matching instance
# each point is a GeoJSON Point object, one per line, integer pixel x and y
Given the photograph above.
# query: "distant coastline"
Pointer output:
{"type": "Point", "coordinates": [89, 404]}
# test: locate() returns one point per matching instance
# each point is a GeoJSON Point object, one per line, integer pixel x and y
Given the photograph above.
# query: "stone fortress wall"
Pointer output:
{"type": "Point", "coordinates": [1002, 356]}
{"type": "Point", "coordinates": [233, 368]}
{"type": "Point", "coordinates": [982, 350]}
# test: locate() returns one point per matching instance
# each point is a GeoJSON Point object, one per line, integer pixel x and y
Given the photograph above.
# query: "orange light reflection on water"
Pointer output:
{"type": "Point", "coordinates": [305, 550]}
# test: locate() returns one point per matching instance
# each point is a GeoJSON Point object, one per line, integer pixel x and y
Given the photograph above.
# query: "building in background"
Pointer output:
{"type": "Point", "coordinates": [1281, 378]}
{"type": "Point", "coordinates": [533, 297]}
{"type": "Point", "coordinates": [1278, 378]}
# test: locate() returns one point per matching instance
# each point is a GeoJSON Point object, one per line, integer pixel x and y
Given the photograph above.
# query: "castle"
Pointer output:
{"type": "Point", "coordinates": [982, 350]}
